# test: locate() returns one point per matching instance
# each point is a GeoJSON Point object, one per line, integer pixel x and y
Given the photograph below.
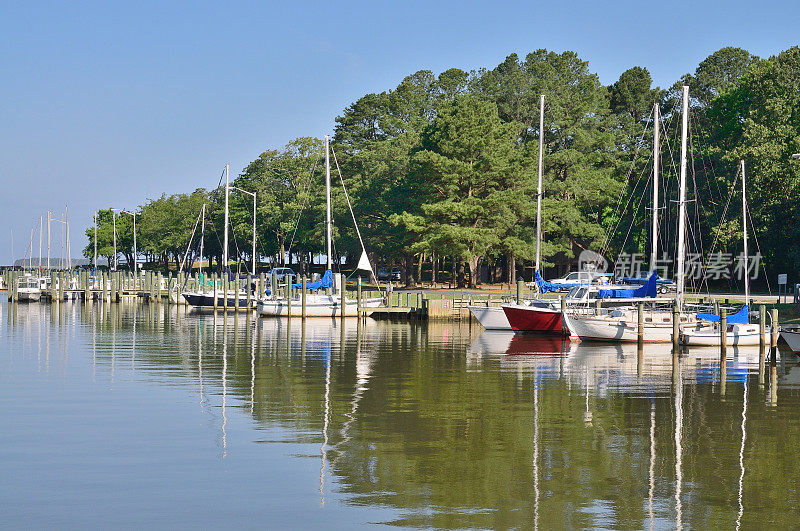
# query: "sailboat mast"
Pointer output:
{"type": "Point", "coordinates": [48, 240]}
{"type": "Point", "coordinates": [254, 234]}
{"type": "Point", "coordinates": [66, 228]}
{"type": "Point", "coordinates": [539, 187]}
{"type": "Point", "coordinates": [225, 244]}
{"type": "Point", "coordinates": [114, 225]}
{"type": "Point", "coordinates": [656, 157]}
{"type": "Point", "coordinates": [744, 233]}
{"type": "Point", "coordinates": [682, 200]}
{"type": "Point", "coordinates": [40, 244]}
{"type": "Point", "coordinates": [202, 237]}
{"type": "Point", "coordinates": [328, 198]}
{"type": "Point", "coordinates": [95, 241]}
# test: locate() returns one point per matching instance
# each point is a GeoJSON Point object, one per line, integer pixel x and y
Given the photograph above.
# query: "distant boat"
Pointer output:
{"type": "Point", "coordinates": [28, 288]}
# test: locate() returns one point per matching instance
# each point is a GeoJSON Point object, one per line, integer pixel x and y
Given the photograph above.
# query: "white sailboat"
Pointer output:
{"type": "Point", "coordinates": [739, 331]}
{"type": "Point", "coordinates": [327, 304]}
{"type": "Point", "coordinates": [621, 324]}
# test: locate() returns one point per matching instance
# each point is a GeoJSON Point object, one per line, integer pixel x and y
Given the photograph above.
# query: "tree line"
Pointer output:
{"type": "Point", "coordinates": [441, 172]}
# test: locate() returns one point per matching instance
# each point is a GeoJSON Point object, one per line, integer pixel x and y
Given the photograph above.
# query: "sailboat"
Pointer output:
{"type": "Point", "coordinates": [545, 315]}
{"type": "Point", "coordinates": [621, 324]}
{"type": "Point", "coordinates": [739, 330]}
{"type": "Point", "coordinates": [533, 316]}
{"type": "Point", "coordinates": [322, 304]}
{"type": "Point", "coordinates": [220, 298]}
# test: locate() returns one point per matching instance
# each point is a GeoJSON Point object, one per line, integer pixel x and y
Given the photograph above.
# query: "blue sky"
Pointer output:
{"type": "Point", "coordinates": [110, 103]}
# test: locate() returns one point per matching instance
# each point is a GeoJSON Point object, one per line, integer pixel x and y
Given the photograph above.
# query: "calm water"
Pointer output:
{"type": "Point", "coordinates": [136, 415]}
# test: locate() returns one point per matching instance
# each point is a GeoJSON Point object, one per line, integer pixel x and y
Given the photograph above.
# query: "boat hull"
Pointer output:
{"type": "Point", "coordinates": [324, 306]}
{"type": "Point", "coordinates": [736, 336]}
{"type": "Point", "coordinates": [490, 317]}
{"type": "Point", "coordinates": [28, 295]}
{"type": "Point", "coordinates": [792, 339]}
{"type": "Point", "coordinates": [534, 319]}
{"type": "Point", "coordinates": [205, 301]}
{"type": "Point", "coordinates": [618, 329]}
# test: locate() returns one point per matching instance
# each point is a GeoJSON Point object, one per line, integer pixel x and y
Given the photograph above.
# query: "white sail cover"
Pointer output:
{"type": "Point", "coordinates": [363, 262]}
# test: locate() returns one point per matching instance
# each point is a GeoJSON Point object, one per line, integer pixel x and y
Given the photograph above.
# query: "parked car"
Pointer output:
{"type": "Point", "coordinates": [580, 278]}
{"type": "Point", "coordinates": [386, 273]}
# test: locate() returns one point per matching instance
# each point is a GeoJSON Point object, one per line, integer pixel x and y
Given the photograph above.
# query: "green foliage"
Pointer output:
{"type": "Point", "coordinates": [471, 174]}
{"type": "Point", "coordinates": [445, 167]}
{"type": "Point", "coordinates": [290, 190]}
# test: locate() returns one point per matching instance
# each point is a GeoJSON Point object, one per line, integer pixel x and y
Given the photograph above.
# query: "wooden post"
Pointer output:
{"type": "Point", "coordinates": [87, 287]}
{"type": "Point", "coordinates": [598, 306]}
{"type": "Point", "coordinates": [288, 295]}
{"type": "Point", "coordinates": [303, 295]}
{"type": "Point", "coordinates": [342, 293]}
{"type": "Point", "coordinates": [103, 287]}
{"type": "Point", "coordinates": [774, 328]}
{"type": "Point", "coordinates": [762, 325]}
{"type": "Point", "coordinates": [676, 327]}
{"type": "Point", "coordinates": [723, 330]}
{"type": "Point", "coordinates": [214, 291]}
{"type": "Point", "coordinates": [563, 302]}
{"type": "Point", "coordinates": [358, 296]}
{"type": "Point", "coordinates": [640, 323]}
{"type": "Point", "coordinates": [225, 285]}
{"type": "Point", "coordinates": [249, 292]}
{"type": "Point", "coordinates": [520, 284]}
{"type": "Point", "coordinates": [274, 284]}
{"type": "Point", "coordinates": [262, 285]}
{"type": "Point", "coordinates": [235, 291]}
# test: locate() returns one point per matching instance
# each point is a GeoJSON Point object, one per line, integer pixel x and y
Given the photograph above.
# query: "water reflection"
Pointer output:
{"type": "Point", "coordinates": [445, 425]}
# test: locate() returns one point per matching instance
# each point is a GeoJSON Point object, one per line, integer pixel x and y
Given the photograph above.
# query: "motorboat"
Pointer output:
{"type": "Point", "coordinates": [791, 336]}
{"type": "Point", "coordinates": [28, 288]}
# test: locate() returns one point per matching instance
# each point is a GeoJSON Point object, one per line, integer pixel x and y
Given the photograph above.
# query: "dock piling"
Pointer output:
{"type": "Point", "coordinates": [774, 329]}
{"type": "Point", "coordinates": [640, 323]}
{"type": "Point", "coordinates": [288, 295]}
{"type": "Point", "coordinates": [676, 327]}
{"type": "Point", "coordinates": [358, 296]}
{"type": "Point", "coordinates": [723, 331]}
{"type": "Point", "coordinates": [342, 293]}
{"type": "Point", "coordinates": [303, 297]}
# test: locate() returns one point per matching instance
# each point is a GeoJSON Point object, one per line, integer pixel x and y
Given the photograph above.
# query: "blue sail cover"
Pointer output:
{"type": "Point", "coordinates": [325, 282]}
{"type": "Point", "coordinates": [545, 286]}
{"type": "Point", "coordinates": [740, 317]}
{"type": "Point", "coordinates": [648, 289]}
